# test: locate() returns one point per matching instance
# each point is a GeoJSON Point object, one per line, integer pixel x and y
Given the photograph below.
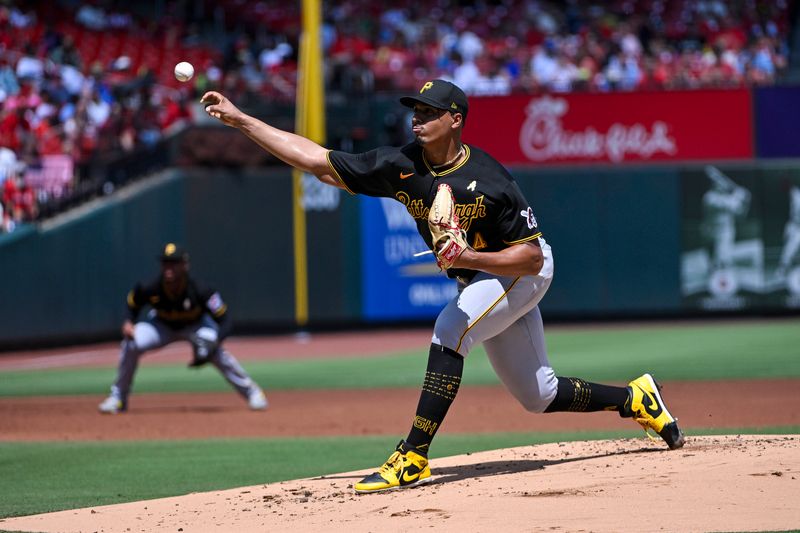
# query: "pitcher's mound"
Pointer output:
{"type": "Point", "coordinates": [725, 483]}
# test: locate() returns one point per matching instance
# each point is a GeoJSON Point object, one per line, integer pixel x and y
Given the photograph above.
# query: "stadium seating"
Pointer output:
{"type": "Point", "coordinates": [125, 58]}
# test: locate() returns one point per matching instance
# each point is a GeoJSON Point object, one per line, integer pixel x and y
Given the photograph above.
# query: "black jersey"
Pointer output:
{"type": "Point", "coordinates": [180, 309]}
{"type": "Point", "coordinates": [489, 203]}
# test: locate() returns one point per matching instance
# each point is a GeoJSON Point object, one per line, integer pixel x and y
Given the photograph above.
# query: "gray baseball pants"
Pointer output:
{"type": "Point", "coordinates": [503, 314]}
{"type": "Point", "coordinates": [151, 333]}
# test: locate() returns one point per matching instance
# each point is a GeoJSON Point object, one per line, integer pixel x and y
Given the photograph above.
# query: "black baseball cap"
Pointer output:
{"type": "Point", "coordinates": [173, 253]}
{"type": "Point", "coordinates": [440, 94]}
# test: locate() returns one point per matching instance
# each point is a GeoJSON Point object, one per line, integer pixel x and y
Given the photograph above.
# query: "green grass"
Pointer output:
{"type": "Point", "coordinates": [42, 477]}
{"type": "Point", "coordinates": [733, 350]}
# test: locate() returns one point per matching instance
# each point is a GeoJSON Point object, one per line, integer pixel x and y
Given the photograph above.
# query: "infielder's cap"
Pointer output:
{"type": "Point", "coordinates": [174, 253]}
{"type": "Point", "coordinates": [441, 95]}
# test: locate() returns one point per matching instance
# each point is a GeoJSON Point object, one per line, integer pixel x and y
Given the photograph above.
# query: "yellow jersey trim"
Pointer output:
{"type": "Point", "coordinates": [461, 339]}
{"type": "Point", "coordinates": [449, 170]}
{"type": "Point", "coordinates": [526, 239]}
{"type": "Point", "coordinates": [336, 174]}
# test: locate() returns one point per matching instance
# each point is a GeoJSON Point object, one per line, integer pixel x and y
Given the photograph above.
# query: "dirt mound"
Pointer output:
{"type": "Point", "coordinates": [727, 483]}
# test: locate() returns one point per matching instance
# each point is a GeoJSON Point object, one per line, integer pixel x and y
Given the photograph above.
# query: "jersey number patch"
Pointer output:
{"type": "Point", "coordinates": [478, 243]}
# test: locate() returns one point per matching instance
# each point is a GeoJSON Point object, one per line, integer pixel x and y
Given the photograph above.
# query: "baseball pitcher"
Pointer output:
{"type": "Point", "coordinates": [482, 232]}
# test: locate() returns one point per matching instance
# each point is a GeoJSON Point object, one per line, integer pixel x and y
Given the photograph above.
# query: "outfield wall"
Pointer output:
{"type": "Point", "coordinates": [67, 279]}
{"type": "Point", "coordinates": [627, 241]}
{"type": "Point", "coordinates": [639, 222]}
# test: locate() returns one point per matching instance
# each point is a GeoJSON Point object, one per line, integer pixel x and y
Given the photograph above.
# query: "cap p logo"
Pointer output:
{"type": "Point", "coordinates": [453, 105]}
{"type": "Point", "coordinates": [425, 87]}
{"type": "Point", "coordinates": [170, 249]}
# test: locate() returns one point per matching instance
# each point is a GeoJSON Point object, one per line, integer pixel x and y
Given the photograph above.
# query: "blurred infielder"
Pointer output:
{"type": "Point", "coordinates": [180, 309]}
{"type": "Point", "coordinates": [473, 216]}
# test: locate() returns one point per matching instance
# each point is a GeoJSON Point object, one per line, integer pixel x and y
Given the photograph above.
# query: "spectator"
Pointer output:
{"type": "Point", "coordinates": [563, 75]}
{"type": "Point", "coordinates": [762, 68]}
{"type": "Point", "coordinates": [544, 65]}
{"type": "Point", "coordinates": [66, 53]}
{"type": "Point", "coordinates": [8, 164]}
{"type": "Point", "coordinates": [466, 74]}
{"type": "Point", "coordinates": [20, 19]}
{"type": "Point", "coordinates": [91, 17]}
{"type": "Point", "coordinates": [469, 46]}
{"type": "Point", "coordinates": [30, 66]}
{"type": "Point", "coordinates": [3, 223]}
{"type": "Point", "coordinates": [19, 199]}
{"type": "Point", "coordinates": [98, 110]}
{"type": "Point", "coordinates": [8, 79]}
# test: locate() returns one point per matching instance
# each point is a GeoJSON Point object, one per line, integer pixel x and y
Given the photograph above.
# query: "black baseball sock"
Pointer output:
{"type": "Point", "coordinates": [439, 389]}
{"type": "Point", "coordinates": [575, 394]}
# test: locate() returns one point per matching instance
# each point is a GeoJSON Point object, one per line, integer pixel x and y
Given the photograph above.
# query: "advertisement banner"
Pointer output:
{"type": "Point", "coordinates": [741, 238]}
{"type": "Point", "coordinates": [777, 121]}
{"type": "Point", "coordinates": [614, 127]}
{"type": "Point", "coordinates": [396, 284]}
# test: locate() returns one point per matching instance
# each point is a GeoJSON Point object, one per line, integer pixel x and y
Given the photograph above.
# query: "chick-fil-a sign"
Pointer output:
{"type": "Point", "coordinates": [613, 128]}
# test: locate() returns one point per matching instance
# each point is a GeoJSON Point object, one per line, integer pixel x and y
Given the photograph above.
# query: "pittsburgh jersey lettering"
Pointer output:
{"type": "Point", "coordinates": [466, 212]}
{"type": "Point", "coordinates": [416, 208]}
{"type": "Point", "coordinates": [469, 212]}
{"type": "Point", "coordinates": [494, 212]}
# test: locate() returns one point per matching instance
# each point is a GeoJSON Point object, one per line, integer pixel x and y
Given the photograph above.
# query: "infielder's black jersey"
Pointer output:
{"type": "Point", "coordinates": [490, 205]}
{"type": "Point", "coordinates": [181, 309]}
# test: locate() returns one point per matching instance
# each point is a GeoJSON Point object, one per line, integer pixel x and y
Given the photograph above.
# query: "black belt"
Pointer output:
{"type": "Point", "coordinates": [463, 276]}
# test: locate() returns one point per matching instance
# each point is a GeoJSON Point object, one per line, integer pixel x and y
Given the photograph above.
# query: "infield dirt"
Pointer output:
{"type": "Point", "coordinates": [366, 412]}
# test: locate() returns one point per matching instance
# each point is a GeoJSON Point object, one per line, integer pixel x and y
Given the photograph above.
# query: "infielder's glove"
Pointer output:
{"type": "Point", "coordinates": [449, 240]}
{"type": "Point", "coordinates": [202, 349]}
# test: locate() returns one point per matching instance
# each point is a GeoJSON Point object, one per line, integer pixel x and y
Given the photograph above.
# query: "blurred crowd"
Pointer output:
{"type": "Point", "coordinates": [79, 80]}
{"type": "Point", "coordinates": [60, 108]}
{"type": "Point", "coordinates": [505, 46]}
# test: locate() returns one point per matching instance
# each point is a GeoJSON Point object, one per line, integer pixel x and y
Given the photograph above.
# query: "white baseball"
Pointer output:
{"type": "Point", "coordinates": [184, 71]}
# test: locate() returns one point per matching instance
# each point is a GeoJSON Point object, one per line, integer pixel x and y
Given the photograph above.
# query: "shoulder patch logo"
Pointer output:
{"type": "Point", "coordinates": [403, 175]}
{"type": "Point", "coordinates": [215, 303]}
{"type": "Point", "coordinates": [471, 186]}
{"type": "Point", "coordinates": [531, 220]}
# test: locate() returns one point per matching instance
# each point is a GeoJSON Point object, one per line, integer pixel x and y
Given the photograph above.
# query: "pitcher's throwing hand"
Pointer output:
{"type": "Point", "coordinates": [219, 107]}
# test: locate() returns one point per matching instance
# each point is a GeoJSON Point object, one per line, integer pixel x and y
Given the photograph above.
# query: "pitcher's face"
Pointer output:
{"type": "Point", "coordinates": [430, 124]}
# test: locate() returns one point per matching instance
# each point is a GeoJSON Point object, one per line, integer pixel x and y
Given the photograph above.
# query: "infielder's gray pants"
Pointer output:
{"type": "Point", "coordinates": [152, 333]}
{"type": "Point", "coordinates": [502, 313]}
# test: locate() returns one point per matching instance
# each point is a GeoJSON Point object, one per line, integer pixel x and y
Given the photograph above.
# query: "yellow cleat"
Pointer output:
{"type": "Point", "coordinates": [648, 409]}
{"type": "Point", "coordinates": [402, 469]}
